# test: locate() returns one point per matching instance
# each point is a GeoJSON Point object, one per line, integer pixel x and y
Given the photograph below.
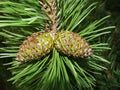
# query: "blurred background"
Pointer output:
{"type": "Point", "coordinates": [110, 80]}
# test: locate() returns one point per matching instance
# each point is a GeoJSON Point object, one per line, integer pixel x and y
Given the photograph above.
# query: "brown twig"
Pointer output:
{"type": "Point", "coordinates": [51, 10]}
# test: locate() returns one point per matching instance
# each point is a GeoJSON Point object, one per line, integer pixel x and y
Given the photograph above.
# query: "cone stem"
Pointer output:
{"type": "Point", "coordinates": [50, 9]}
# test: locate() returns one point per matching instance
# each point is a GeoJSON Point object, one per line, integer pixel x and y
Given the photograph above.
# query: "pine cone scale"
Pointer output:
{"type": "Point", "coordinates": [35, 47]}
{"type": "Point", "coordinates": [72, 44]}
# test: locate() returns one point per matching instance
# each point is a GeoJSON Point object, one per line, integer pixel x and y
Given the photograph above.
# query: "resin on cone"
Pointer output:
{"type": "Point", "coordinates": [72, 44]}
{"type": "Point", "coordinates": [35, 47]}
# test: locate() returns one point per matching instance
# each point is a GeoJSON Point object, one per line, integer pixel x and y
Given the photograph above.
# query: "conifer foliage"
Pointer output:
{"type": "Point", "coordinates": [57, 50]}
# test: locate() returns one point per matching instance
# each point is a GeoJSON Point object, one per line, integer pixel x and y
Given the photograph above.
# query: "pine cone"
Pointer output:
{"type": "Point", "coordinates": [35, 47]}
{"type": "Point", "coordinates": [72, 44]}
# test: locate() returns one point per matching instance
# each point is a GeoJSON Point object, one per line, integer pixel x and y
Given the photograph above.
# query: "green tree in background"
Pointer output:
{"type": "Point", "coordinates": [56, 71]}
{"type": "Point", "coordinates": [110, 80]}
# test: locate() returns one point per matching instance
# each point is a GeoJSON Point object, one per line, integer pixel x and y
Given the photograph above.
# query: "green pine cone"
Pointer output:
{"type": "Point", "coordinates": [35, 47]}
{"type": "Point", "coordinates": [72, 44]}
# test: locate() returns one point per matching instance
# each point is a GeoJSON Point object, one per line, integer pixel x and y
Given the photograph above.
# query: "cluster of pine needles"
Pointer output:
{"type": "Point", "coordinates": [55, 71]}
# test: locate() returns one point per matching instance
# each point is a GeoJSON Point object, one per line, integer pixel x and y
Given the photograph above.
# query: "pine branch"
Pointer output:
{"type": "Point", "coordinates": [54, 71]}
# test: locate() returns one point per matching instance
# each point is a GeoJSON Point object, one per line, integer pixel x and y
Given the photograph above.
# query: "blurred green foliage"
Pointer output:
{"type": "Point", "coordinates": [111, 79]}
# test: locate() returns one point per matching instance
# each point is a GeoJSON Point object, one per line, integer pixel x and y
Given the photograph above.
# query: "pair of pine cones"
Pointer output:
{"type": "Point", "coordinates": [40, 44]}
